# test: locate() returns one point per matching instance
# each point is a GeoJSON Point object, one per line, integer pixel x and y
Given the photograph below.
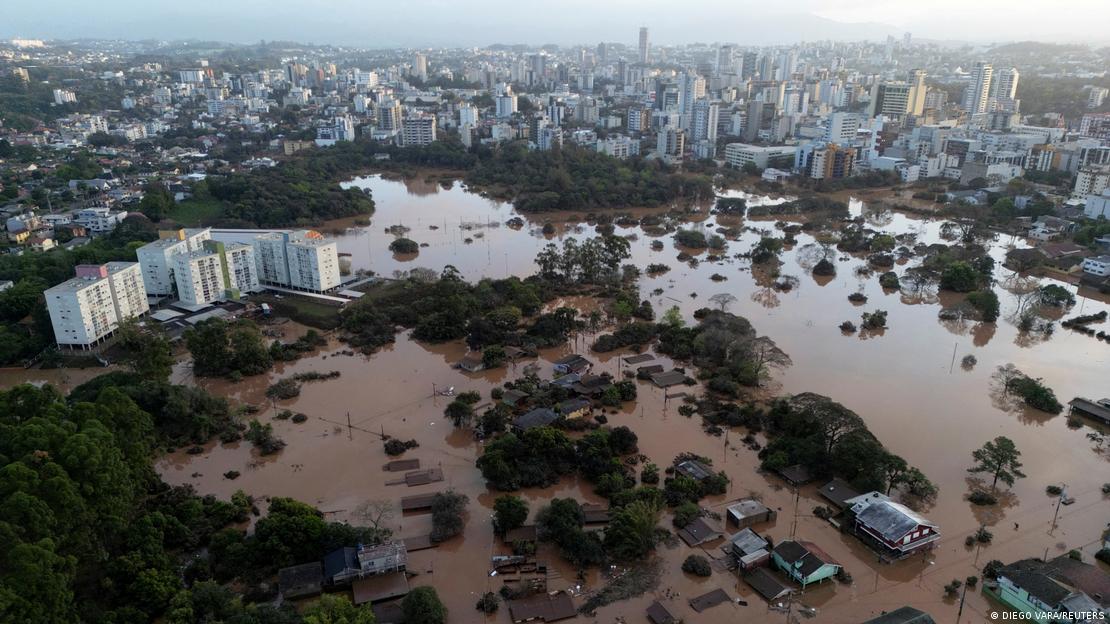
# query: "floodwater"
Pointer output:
{"type": "Point", "coordinates": [907, 384]}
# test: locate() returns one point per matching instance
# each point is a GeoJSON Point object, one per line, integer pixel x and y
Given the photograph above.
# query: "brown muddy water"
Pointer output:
{"type": "Point", "coordinates": [907, 384]}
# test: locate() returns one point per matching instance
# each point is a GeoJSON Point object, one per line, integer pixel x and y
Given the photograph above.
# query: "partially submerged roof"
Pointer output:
{"type": "Point", "coordinates": [694, 469]}
{"type": "Point", "coordinates": [544, 607]}
{"type": "Point", "coordinates": [710, 599]}
{"type": "Point", "coordinates": [636, 359]}
{"type": "Point", "coordinates": [805, 557]}
{"type": "Point", "coordinates": [838, 491]}
{"type": "Point", "coordinates": [766, 585]}
{"type": "Point", "coordinates": [667, 379]}
{"type": "Point", "coordinates": [796, 474]}
{"type": "Point", "coordinates": [748, 541]}
{"type": "Point", "coordinates": [890, 519]}
{"type": "Point", "coordinates": [903, 615]}
{"type": "Point", "coordinates": [659, 614]}
{"type": "Point", "coordinates": [379, 587]}
{"type": "Point", "coordinates": [539, 417]}
{"type": "Point", "coordinates": [698, 532]}
{"type": "Point", "coordinates": [747, 508]}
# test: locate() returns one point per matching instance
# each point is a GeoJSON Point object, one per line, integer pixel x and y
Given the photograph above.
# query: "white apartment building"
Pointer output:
{"type": "Point", "coordinates": [1098, 265]}
{"type": "Point", "coordinates": [978, 89]}
{"type": "Point", "coordinates": [156, 258]}
{"type": "Point", "coordinates": [199, 276]}
{"type": "Point", "coordinates": [418, 131]}
{"type": "Point", "coordinates": [739, 154]}
{"type": "Point", "coordinates": [302, 260]}
{"type": "Point", "coordinates": [242, 270]}
{"type": "Point", "coordinates": [1092, 181]}
{"type": "Point", "coordinates": [619, 147]}
{"type": "Point", "coordinates": [88, 308]}
{"type": "Point", "coordinates": [1098, 205]}
{"type": "Point", "coordinates": [98, 220]}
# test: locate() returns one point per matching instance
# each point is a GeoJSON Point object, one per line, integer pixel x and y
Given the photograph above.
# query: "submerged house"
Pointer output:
{"type": "Point", "coordinates": [903, 615]}
{"type": "Point", "coordinates": [749, 549]}
{"type": "Point", "coordinates": [346, 564]}
{"type": "Point", "coordinates": [539, 417]}
{"type": "Point", "coordinates": [573, 363]}
{"type": "Point", "coordinates": [804, 562]}
{"type": "Point", "coordinates": [749, 512]}
{"type": "Point", "coordinates": [1048, 590]}
{"type": "Point", "coordinates": [891, 528]}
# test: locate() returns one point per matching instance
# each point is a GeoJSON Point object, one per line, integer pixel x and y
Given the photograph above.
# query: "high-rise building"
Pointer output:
{"type": "Point", "coordinates": [537, 69]}
{"type": "Point", "coordinates": [505, 104]}
{"type": "Point", "coordinates": [88, 308]}
{"type": "Point", "coordinates": [691, 88]}
{"type": "Point", "coordinates": [200, 277]}
{"type": "Point", "coordinates": [1097, 96]}
{"type": "Point", "coordinates": [420, 66]}
{"type": "Point", "coordinates": [156, 258]}
{"type": "Point", "coordinates": [418, 131]}
{"type": "Point", "coordinates": [468, 115]}
{"type": "Point", "coordinates": [602, 53]}
{"type": "Point", "coordinates": [1004, 84]}
{"type": "Point", "coordinates": [767, 67]}
{"type": "Point", "coordinates": [389, 115]}
{"type": "Point", "coordinates": [671, 143]}
{"type": "Point", "coordinates": [645, 46]}
{"type": "Point", "coordinates": [725, 59]}
{"type": "Point", "coordinates": [750, 65]}
{"type": "Point", "coordinates": [704, 118]}
{"type": "Point", "coordinates": [842, 128]}
{"type": "Point", "coordinates": [825, 161]}
{"type": "Point", "coordinates": [978, 89]}
{"type": "Point", "coordinates": [303, 260]}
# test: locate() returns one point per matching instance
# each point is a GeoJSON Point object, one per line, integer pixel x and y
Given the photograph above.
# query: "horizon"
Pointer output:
{"type": "Point", "coordinates": [481, 23]}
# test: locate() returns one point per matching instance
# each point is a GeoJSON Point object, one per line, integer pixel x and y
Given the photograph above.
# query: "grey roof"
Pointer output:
{"type": "Point", "coordinates": [805, 557]}
{"type": "Point", "coordinates": [747, 508]}
{"type": "Point", "coordinates": [838, 491]}
{"type": "Point", "coordinates": [891, 520]}
{"type": "Point", "coordinates": [694, 469]}
{"type": "Point", "coordinates": [766, 585]}
{"type": "Point", "coordinates": [339, 560]}
{"type": "Point", "coordinates": [572, 405]}
{"type": "Point", "coordinates": [748, 541]}
{"type": "Point", "coordinates": [903, 615]}
{"type": "Point", "coordinates": [536, 418]}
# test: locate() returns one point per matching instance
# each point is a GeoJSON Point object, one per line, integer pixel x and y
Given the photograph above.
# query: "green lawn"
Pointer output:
{"type": "Point", "coordinates": [193, 212]}
{"type": "Point", "coordinates": [304, 310]}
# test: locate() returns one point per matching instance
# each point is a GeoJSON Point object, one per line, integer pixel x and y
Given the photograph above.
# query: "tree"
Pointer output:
{"type": "Point", "coordinates": [375, 512]}
{"type": "Point", "coordinates": [998, 458]}
{"type": "Point", "coordinates": [960, 277]}
{"type": "Point", "coordinates": [631, 532]}
{"type": "Point", "coordinates": [145, 351]}
{"type": "Point", "coordinates": [447, 515]}
{"type": "Point", "coordinates": [157, 201]}
{"type": "Point", "coordinates": [422, 606]}
{"type": "Point", "coordinates": [459, 412]}
{"type": "Point", "coordinates": [404, 246]}
{"type": "Point", "coordinates": [509, 512]}
{"type": "Point", "coordinates": [723, 300]}
{"type": "Point", "coordinates": [336, 609]}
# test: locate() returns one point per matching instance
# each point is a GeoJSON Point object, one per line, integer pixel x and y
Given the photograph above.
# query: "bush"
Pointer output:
{"type": "Point", "coordinates": [394, 447]}
{"type": "Point", "coordinates": [422, 606]}
{"type": "Point", "coordinates": [691, 238]}
{"type": "Point", "coordinates": [953, 589]}
{"type": "Point", "coordinates": [980, 497]}
{"type": "Point", "coordinates": [488, 603]}
{"type": "Point", "coordinates": [889, 280]}
{"type": "Point", "coordinates": [686, 513]}
{"type": "Point", "coordinates": [986, 303]}
{"type": "Point", "coordinates": [697, 565]}
{"type": "Point", "coordinates": [404, 246]}
{"type": "Point", "coordinates": [447, 515]}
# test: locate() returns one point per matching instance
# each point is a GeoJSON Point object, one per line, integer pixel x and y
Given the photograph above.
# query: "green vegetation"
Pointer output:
{"type": "Point", "coordinates": [829, 440]}
{"type": "Point", "coordinates": [92, 533]}
{"type": "Point", "coordinates": [194, 211]}
{"type": "Point", "coordinates": [1031, 391]}
{"type": "Point", "coordinates": [593, 261]}
{"type": "Point", "coordinates": [422, 606]}
{"type": "Point", "coordinates": [404, 246]}
{"type": "Point", "coordinates": [999, 459]}
{"type": "Point", "coordinates": [726, 349]}
{"type": "Point", "coordinates": [813, 204]}
{"type": "Point", "coordinates": [694, 239]}
{"type": "Point", "coordinates": [960, 277]}
{"type": "Point", "coordinates": [697, 565]}
{"type": "Point", "coordinates": [509, 512]}
{"type": "Point", "coordinates": [985, 303]}
{"type": "Point", "coordinates": [223, 349]}
{"type": "Point", "coordinates": [579, 179]}
{"type": "Point", "coordinates": [447, 515]}
{"type": "Point", "coordinates": [486, 313]}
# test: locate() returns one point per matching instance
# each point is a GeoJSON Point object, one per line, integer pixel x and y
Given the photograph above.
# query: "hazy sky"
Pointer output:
{"type": "Point", "coordinates": [377, 23]}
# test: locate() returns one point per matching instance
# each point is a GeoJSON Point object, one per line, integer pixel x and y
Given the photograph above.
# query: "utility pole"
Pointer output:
{"type": "Point", "coordinates": [960, 613]}
{"type": "Point", "coordinates": [350, 435]}
{"type": "Point", "coordinates": [1059, 500]}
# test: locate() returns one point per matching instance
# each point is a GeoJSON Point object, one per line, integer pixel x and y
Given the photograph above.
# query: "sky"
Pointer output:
{"type": "Point", "coordinates": [434, 23]}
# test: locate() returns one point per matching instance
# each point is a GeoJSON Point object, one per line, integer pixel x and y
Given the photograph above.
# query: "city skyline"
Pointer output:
{"type": "Point", "coordinates": [433, 23]}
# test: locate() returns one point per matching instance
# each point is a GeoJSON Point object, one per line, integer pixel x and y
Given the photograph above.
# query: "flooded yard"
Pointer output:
{"type": "Point", "coordinates": [907, 384]}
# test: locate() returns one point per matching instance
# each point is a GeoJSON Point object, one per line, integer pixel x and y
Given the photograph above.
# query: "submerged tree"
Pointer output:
{"type": "Point", "coordinates": [998, 458]}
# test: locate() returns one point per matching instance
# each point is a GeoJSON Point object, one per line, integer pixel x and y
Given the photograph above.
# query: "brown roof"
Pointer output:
{"type": "Point", "coordinates": [401, 465]}
{"type": "Point", "coordinates": [545, 607]}
{"type": "Point", "coordinates": [380, 587]}
{"type": "Point", "coordinates": [659, 614]}
{"type": "Point", "coordinates": [521, 534]}
{"type": "Point", "coordinates": [698, 532]}
{"type": "Point", "coordinates": [711, 599]}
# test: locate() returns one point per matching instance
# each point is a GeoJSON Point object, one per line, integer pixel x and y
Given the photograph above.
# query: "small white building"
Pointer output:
{"type": "Point", "coordinates": [1098, 266]}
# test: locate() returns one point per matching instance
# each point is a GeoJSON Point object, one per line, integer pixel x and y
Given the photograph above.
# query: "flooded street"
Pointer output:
{"type": "Point", "coordinates": [907, 384]}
